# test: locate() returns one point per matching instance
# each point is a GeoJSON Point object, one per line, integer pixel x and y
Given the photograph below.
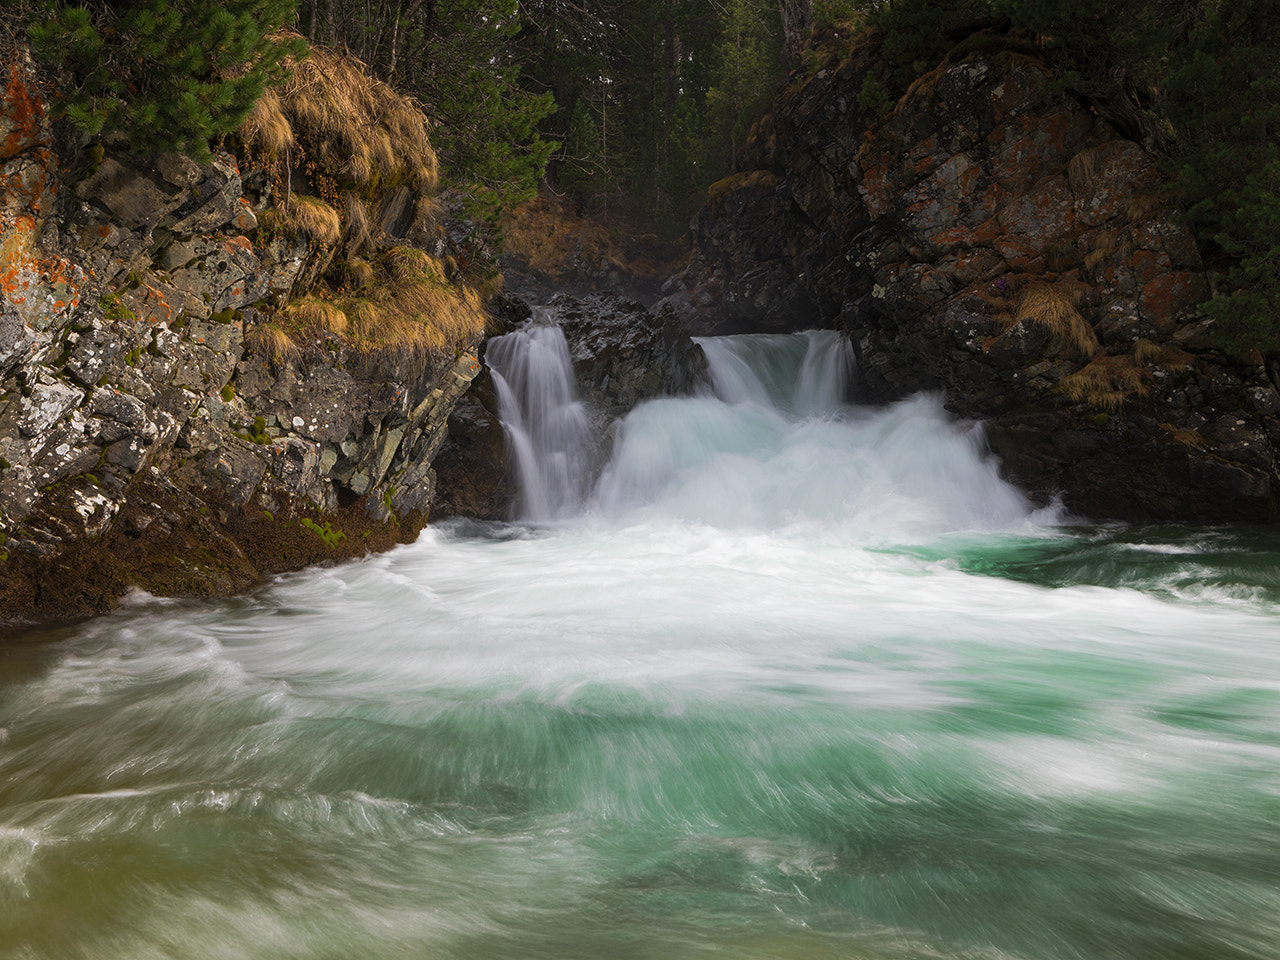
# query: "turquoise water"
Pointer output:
{"type": "Point", "coordinates": [821, 687]}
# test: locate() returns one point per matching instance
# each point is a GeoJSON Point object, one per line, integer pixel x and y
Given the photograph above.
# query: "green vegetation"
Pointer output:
{"type": "Point", "coordinates": [325, 532]}
{"type": "Point", "coordinates": [171, 76]}
{"type": "Point", "coordinates": [633, 109]}
{"type": "Point", "coordinates": [1223, 95]}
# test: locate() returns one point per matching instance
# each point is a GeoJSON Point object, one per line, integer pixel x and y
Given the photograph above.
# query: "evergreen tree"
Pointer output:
{"type": "Point", "coordinates": [462, 59]}
{"type": "Point", "coordinates": [1224, 101]}
{"type": "Point", "coordinates": [171, 76]}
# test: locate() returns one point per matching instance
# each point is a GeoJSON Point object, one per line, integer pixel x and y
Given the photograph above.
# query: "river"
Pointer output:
{"type": "Point", "coordinates": [784, 679]}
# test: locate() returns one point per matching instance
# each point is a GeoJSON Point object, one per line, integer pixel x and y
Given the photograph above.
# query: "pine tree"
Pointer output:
{"type": "Point", "coordinates": [1224, 101]}
{"type": "Point", "coordinates": [171, 76]}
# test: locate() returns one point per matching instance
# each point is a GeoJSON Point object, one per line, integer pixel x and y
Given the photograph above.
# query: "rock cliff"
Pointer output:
{"type": "Point", "coordinates": [155, 431]}
{"type": "Point", "coordinates": [1000, 242]}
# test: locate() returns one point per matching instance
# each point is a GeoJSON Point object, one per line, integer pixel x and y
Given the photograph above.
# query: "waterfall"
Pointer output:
{"type": "Point", "coordinates": [547, 426]}
{"type": "Point", "coordinates": [772, 445]}
{"type": "Point", "coordinates": [805, 374]}
{"type": "Point", "coordinates": [776, 447]}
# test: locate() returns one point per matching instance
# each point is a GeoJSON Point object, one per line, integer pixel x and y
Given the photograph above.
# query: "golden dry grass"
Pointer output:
{"type": "Point", "coordinates": [357, 274]}
{"type": "Point", "coordinates": [1149, 204]}
{"type": "Point", "coordinates": [312, 218]}
{"type": "Point", "coordinates": [1056, 311]}
{"type": "Point", "coordinates": [764, 179]}
{"type": "Point", "coordinates": [1105, 382]}
{"type": "Point", "coordinates": [1188, 438]}
{"type": "Point", "coordinates": [270, 342]}
{"type": "Point", "coordinates": [1103, 247]}
{"type": "Point", "coordinates": [267, 131]}
{"type": "Point", "coordinates": [313, 313]}
{"type": "Point", "coordinates": [418, 311]}
{"type": "Point", "coordinates": [1082, 169]}
{"type": "Point", "coordinates": [362, 131]}
{"type": "Point", "coordinates": [1149, 354]}
{"type": "Point", "coordinates": [357, 232]}
{"type": "Point", "coordinates": [548, 237]}
{"type": "Point", "coordinates": [354, 140]}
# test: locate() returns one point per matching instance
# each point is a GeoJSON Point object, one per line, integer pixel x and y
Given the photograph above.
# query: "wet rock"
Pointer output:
{"type": "Point", "coordinates": [623, 353]}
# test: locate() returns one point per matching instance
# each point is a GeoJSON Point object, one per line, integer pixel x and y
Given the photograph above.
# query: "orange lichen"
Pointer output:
{"type": "Point", "coordinates": [24, 110]}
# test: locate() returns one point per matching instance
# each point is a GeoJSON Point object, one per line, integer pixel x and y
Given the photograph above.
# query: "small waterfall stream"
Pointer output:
{"type": "Point", "coordinates": [547, 426]}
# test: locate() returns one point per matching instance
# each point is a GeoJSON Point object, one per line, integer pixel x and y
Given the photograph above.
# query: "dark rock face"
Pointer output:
{"type": "Point", "coordinates": [473, 476]}
{"type": "Point", "coordinates": [143, 416]}
{"type": "Point", "coordinates": [997, 242]}
{"type": "Point", "coordinates": [623, 353]}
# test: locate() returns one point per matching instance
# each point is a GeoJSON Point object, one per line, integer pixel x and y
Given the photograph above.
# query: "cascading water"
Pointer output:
{"type": "Point", "coordinates": [547, 426]}
{"type": "Point", "coordinates": [799, 681]}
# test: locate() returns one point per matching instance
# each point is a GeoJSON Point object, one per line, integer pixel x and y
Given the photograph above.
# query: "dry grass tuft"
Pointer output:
{"type": "Point", "coordinates": [418, 312]}
{"type": "Point", "coordinates": [364, 132]}
{"type": "Point", "coordinates": [357, 275]}
{"type": "Point", "coordinates": [1188, 438]}
{"type": "Point", "coordinates": [737, 181]}
{"type": "Point", "coordinates": [314, 313]}
{"type": "Point", "coordinates": [1057, 313]}
{"type": "Point", "coordinates": [1167, 357]}
{"type": "Point", "coordinates": [270, 342]}
{"type": "Point", "coordinates": [1082, 169]}
{"type": "Point", "coordinates": [357, 233]}
{"type": "Point", "coordinates": [1104, 245]}
{"type": "Point", "coordinates": [267, 131]}
{"type": "Point", "coordinates": [922, 87]}
{"type": "Point", "coordinates": [312, 218]}
{"type": "Point", "coordinates": [1149, 205]}
{"type": "Point", "coordinates": [1105, 382]}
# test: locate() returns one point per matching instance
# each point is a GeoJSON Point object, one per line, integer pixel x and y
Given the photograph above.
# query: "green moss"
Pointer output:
{"type": "Point", "coordinates": [228, 393]}
{"type": "Point", "coordinates": [326, 532]}
{"type": "Point", "coordinates": [95, 155]}
{"type": "Point", "coordinates": [113, 309]}
{"type": "Point", "coordinates": [257, 433]}
{"type": "Point", "coordinates": [61, 359]}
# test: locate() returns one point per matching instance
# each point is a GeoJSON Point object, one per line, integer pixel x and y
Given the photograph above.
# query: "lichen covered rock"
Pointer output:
{"type": "Point", "coordinates": [148, 434]}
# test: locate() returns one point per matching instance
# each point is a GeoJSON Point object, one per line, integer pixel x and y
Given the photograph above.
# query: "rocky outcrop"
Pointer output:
{"type": "Point", "coordinates": [146, 409]}
{"type": "Point", "coordinates": [1001, 243]}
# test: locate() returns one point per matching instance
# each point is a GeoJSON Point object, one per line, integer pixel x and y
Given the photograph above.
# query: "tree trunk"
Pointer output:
{"type": "Point", "coordinates": [797, 20]}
